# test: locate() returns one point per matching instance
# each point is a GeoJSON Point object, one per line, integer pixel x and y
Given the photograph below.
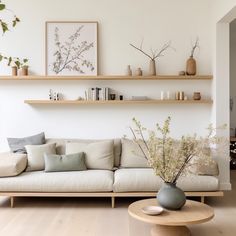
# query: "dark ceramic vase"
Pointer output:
{"type": "Point", "coordinates": [171, 197]}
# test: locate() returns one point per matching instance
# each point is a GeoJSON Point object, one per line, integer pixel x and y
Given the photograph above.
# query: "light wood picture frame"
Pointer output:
{"type": "Point", "coordinates": [71, 48]}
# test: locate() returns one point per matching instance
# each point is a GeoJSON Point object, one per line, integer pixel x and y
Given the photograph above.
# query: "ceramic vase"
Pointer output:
{"type": "Point", "coordinates": [25, 70]}
{"type": "Point", "coordinates": [14, 71]}
{"type": "Point", "coordinates": [191, 66]}
{"type": "Point", "coordinates": [171, 197]}
{"type": "Point", "coordinates": [152, 68]}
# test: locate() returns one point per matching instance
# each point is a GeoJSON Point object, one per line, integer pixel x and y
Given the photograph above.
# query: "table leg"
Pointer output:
{"type": "Point", "coordinates": [162, 230]}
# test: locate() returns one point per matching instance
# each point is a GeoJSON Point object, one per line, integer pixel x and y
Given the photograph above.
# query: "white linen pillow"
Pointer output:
{"type": "Point", "coordinates": [36, 155]}
{"type": "Point", "coordinates": [98, 155]}
{"type": "Point", "coordinates": [12, 164]}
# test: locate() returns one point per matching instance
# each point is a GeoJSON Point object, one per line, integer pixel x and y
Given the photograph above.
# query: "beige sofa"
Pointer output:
{"type": "Point", "coordinates": [119, 182]}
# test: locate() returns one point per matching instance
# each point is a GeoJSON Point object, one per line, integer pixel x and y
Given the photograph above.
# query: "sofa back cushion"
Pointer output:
{"type": "Point", "coordinates": [98, 155]}
{"type": "Point", "coordinates": [12, 164]}
{"type": "Point", "coordinates": [131, 155]}
{"type": "Point", "coordinates": [61, 146]}
{"type": "Point", "coordinates": [36, 155]}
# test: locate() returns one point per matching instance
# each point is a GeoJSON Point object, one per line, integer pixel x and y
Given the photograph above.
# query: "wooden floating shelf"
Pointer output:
{"type": "Point", "coordinates": [105, 77]}
{"type": "Point", "coordinates": [115, 102]}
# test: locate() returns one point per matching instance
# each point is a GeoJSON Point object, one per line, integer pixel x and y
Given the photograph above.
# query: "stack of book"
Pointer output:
{"type": "Point", "coordinates": [96, 94]}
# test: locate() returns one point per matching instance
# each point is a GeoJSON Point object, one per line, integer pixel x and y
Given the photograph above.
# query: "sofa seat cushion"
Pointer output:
{"type": "Point", "coordinates": [144, 180]}
{"type": "Point", "coordinates": [74, 181]}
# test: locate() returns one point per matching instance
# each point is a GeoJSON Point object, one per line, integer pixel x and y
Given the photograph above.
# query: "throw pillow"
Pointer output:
{"type": "Point", "coordinates": [71, 162]}
{"type": "Point", "coordinates": [98, 155]}
{"type": "Point", "coordinates": [36, 155]}
{"type": "Point", "coordinates": [198, 166]}
{"type": "Point", "coordinates": [17, 145]}
{"type": "Point", "coordinates": [131, 155]}
{"type": "Point", "coordinates": [12, 164]}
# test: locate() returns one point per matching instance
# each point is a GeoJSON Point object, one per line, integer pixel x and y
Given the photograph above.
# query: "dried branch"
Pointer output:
{"type": "Point", "coordinates": [154, 54]}
{"type": "Point", "coordinates": [194, 47]}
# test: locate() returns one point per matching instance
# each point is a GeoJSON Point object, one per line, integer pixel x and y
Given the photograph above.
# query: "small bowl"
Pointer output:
{"type": "Point", "coordinates": [152, 210]}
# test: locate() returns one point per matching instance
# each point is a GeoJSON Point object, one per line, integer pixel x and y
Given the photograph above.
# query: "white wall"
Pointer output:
{"type": "Point", "coordinates": [120, 23]}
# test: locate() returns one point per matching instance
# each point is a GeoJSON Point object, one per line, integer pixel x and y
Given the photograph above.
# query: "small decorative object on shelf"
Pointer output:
{"type": "Point", "coordinates": [182, 73]}
{"type": "Point", "coordinates": [14, 70]}
{"type": "Point", "coordinates": [171, 158]}
{"type": "Point", "coordinates": [128, 71]}
{"type": "Point", "coordinates": [162, 95]}
{"type": "Point", "coordinates": [138, 72]}
{"type": "Point", "coordinates": [50, 94]}
{"type": "Point", "coordinates": [177, 95]}
{"type": "Point", "coordinates": [121, 97]}
{"type": "Point", "coordinates": [25, 70]}
{"type": "Point", "coordinates": [191, 67]}
{"type": "Point", "coordinates": [196, 96]}
{"type": "Point", "coordinates": [112, 96]}
{"type": "Point", "coordinates": [153, 56]}
{"type": "Point", "coordinates": [181, 95]}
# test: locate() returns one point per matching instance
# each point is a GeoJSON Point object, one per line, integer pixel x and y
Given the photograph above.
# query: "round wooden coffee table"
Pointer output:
{"type": "Point", "coordinates": [172, 223]}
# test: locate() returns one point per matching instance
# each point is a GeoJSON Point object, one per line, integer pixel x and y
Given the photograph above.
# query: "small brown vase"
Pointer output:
{"type": "Point", "coordinates": [196, 96]}
{"type": "Point", "coordinates": [14, 71]}
{"type": "Point", "coordinates": [191, 67]}
{"type": "Point", "coordinates": [152, 68]}
{"type": "Point", "coordinates": [25, 70]}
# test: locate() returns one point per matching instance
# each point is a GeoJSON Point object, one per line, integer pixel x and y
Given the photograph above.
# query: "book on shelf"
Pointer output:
{"type": "Point", "coordinates": [96, 94]}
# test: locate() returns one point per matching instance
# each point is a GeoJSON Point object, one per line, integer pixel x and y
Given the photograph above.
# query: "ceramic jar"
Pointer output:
{"type": "Point", "coordinates": [171, 197]}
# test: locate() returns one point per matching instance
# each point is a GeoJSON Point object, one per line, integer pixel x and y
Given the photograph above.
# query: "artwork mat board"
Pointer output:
{"type": "Point", "coordinates": [92, 25]}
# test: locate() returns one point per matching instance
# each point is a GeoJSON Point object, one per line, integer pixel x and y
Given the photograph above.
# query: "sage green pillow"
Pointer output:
{"type": "Point", "coordinates": [71, 162]}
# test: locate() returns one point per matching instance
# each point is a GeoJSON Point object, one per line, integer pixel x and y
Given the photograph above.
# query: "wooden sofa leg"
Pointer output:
{"type": "Point", "coordinates": [202, 199]}
{"type": "Point", "coordinates": [12, 201]}
{"type": "Point", "coordinates": [113, 202]}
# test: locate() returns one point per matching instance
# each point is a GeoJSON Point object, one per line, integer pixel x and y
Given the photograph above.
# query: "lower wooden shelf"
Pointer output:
{"type": "Point", "coordinates": [85, 102]}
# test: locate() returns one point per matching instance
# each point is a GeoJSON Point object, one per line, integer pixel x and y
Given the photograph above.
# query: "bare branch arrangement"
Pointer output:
{"type": "Point", "coordinates": [154, 53]}
{"type": "Point", "coordinates": [171, 158]}
{"type": "Point", "coordinates": [194, 47]}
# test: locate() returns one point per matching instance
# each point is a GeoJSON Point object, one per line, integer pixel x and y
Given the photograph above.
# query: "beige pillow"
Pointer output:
{"type": "Point", "coordinates": [12, 164]}
{"type": "Point", "coordinates": [36, 155]}
{"type": "Point", "coordinates": [131, 155]}
{"type": "Point", "coordinates": [98, 155]}
{"type": "Point", "coordinates": [200, 167]}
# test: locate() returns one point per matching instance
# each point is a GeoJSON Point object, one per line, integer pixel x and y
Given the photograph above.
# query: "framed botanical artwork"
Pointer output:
{"type": "Point", "coordinates": [71, 48]}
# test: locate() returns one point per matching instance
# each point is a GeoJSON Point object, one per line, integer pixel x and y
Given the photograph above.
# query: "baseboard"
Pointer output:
{"type": "Point", "coordinates": [225, 186]}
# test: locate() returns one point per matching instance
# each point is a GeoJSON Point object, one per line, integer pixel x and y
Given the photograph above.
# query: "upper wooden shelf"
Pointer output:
{"type": "Point", "coordinates": [106, 77]}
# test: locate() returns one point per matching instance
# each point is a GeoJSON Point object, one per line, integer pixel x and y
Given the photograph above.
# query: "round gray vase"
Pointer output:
{"type": "Point", "coordinates": [171, 197]}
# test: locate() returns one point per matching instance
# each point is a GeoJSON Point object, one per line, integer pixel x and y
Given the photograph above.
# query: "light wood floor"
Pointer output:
{"type": "Point", "coordinates": [95, 217]}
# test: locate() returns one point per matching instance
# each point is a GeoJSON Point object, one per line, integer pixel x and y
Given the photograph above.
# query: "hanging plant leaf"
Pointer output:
{"type": "Point", "coordinates": [9, 61]}
{"type": "Point", "coordinates": [4, 27]}
{"type": "Point", "coordinates": [2, 7]}
{"type": "Point", "coordinates": [17, 64]}
{"type": "Point", "coordinates": [1, 57]}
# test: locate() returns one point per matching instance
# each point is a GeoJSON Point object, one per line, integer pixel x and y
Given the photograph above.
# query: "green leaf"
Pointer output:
{"type": "Point", "coordinates": [1, 57]}
{"type": "Point", "coordinates": [4, 27]}
{"type": "Point", "coordinates": [2, 7]}
{"type": "Point", "coordinates": [17, 64]}
{"type": "Point", "coordinates": [25, 60]}
{"type": "Point", "coordinates": [13, 23]}
{"type": "Point", "coordinates": [9, 61]}
{"type": "Point", "coordinates": [17, 19]}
